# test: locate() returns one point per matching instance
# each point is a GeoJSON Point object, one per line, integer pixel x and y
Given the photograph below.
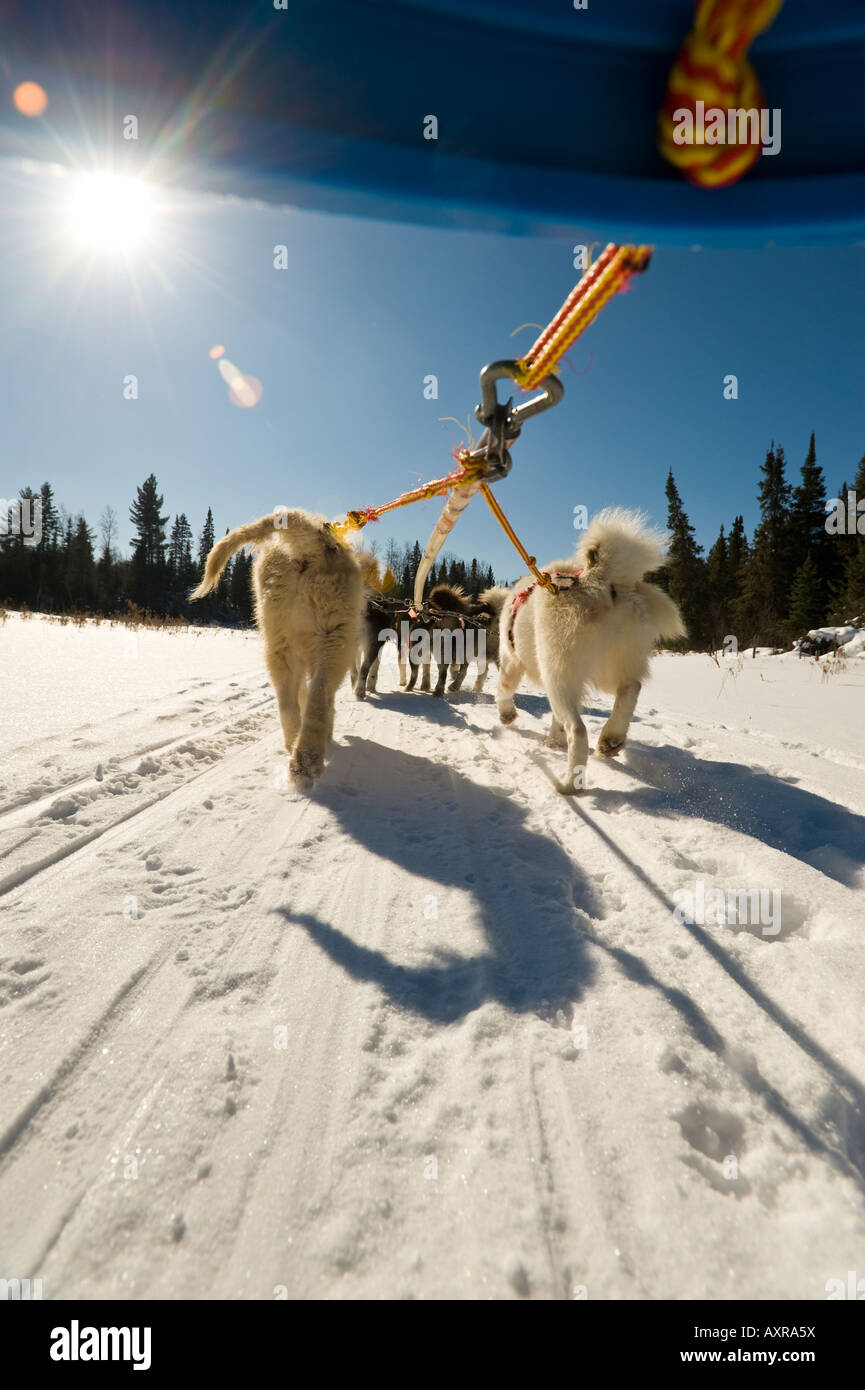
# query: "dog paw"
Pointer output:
{"type": "Point", "coordinates": [508, 715]}
{"type": "Point", "coordinates": [306, 764]}
{"type": "Point", "coordinates": [557, 741]}
{"type": "Point", "coordinates": [609, 746]}
{"type": "Point", "coordinates": [360, 694]}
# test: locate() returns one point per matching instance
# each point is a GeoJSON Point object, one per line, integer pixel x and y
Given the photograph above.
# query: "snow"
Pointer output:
{"type": "Point", "coordinates": [840, 635]}
{"type": "Point", "coordinates": [434, 1031]}
{"type": "Point", "coordinates": [846, 641]}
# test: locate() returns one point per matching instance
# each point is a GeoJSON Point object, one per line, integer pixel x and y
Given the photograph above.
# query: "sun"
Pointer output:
{"type": "Point", "coordinates": [110, 213]}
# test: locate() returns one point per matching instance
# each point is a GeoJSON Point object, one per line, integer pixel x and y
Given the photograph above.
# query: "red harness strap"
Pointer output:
{"type": "Point", "coordinates": [522, 596]}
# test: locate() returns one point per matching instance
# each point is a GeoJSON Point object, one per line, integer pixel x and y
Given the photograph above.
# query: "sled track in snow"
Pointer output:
{"type": "Point", "coordinates": [27, 872]}
{"type": "Point", "coordinates": [153, 999]}
{"type": "Point", "coordinates": [27, 807]}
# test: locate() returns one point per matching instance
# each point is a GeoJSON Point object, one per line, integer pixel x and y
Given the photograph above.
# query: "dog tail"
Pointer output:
{"type": "Point", "coordinates": [451, 597]}
{"type": "Point", "coordinates": [664, 613]}
{"type": "Point", "coordinates": [495, 598]}
{"type": "Point", "coordinates": [252, 534]}
{"type": "Point", "coordinates": [302, 530]}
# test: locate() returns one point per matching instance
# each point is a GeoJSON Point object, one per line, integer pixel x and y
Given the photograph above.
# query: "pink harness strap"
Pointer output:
{"type": "Point", "coordinates": [522, 596]}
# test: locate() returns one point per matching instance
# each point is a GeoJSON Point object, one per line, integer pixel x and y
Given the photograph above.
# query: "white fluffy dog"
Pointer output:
{"type": "Point", "coordinates": [597, 630]}
{"type": "Point", "coordinates": [309, 599]}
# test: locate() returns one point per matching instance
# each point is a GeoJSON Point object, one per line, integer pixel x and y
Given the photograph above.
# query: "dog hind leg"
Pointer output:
{"type": "Point", "coordinates": [366, 676]}
{"type": "Point", "coordinates": [286, 683]}
{"type": "Point", "coordinates": [510, 675]}
{"type": "Point", "coordinates": [556, 738]}
{"type": "Point", "coordinates": [316, 726]}
{"type": "Point", "coordinates": [614, 732]}
{"type": "Point", "coordinates": [440, 681]}
{"type": "Point", "coordinates": [578, 753]}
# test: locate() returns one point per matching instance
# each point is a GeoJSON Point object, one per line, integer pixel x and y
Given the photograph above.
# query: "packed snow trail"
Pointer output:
{"type": "Point", "coordinates": [434, 1031]}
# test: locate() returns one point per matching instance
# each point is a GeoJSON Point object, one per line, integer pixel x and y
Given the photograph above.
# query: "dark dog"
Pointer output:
{"type": "Point", "coordinates": [458, 615]}
{"type": "Point", "coordinates": [488, 608]}
{"type": "Point", "coordinates": [378, 617]}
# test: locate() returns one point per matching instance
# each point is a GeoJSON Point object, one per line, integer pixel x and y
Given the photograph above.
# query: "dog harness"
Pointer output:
{"type": "Point", "coordinates": [522, 596]}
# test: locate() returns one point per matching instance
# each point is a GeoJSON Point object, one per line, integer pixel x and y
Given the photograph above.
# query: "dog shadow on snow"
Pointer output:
{"type": "Point", "coordinates": [439, 825]}
{"type": "Point", "coordinates": [789, 818]}
{"type": "Point", "coordinates": [448, 831]}
{"type": "Point", "coordinates": [772, 809]}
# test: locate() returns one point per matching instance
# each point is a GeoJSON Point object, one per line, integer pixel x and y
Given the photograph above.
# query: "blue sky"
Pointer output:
{"type": "Point", "coordinates": [343, 339]}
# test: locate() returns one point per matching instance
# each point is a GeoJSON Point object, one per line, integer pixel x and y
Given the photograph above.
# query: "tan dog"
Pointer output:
{"type": "Point", "coordinates": [598, 630]}
{"type": "Point", "coordinates": [309, 596]}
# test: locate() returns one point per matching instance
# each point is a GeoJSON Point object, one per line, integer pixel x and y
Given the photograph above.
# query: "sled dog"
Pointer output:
{"type": "Point", "coordinates": [489, 606]}
{"type": "Point", "coordinates": [597, 631]}
{"type": "Point", "coordinates": [309, 599]}
{"type": "Point", "coordinates": [455, 606]}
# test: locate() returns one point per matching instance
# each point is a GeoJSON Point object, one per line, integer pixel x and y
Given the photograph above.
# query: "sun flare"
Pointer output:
{"type": "Point", "coordinates": [111, 213]}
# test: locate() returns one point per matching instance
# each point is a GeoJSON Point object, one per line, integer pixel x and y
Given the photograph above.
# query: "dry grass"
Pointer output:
{"type": "Point", "coordinates": [833, 665]}
{"type": "Point", "coordinates": [134, 617]}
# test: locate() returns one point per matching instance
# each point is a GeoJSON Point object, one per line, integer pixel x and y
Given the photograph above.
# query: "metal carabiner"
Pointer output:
{"type": "Point", "coordinates": [504, 421]}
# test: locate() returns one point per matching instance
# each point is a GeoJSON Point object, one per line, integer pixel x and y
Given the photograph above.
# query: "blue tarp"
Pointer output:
{"type": "Point", "coordinates": [546, 114]}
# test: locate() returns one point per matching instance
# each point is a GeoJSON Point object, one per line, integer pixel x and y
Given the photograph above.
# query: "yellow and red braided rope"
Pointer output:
{"type": "Point", "coordinates": [711, 67]}
{"type": "Point", "coordinates": [609, 274]}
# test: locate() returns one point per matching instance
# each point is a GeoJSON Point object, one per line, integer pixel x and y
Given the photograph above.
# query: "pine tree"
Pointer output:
{"type": "Point", "coordinates": [808, 507]}
{"type": "Point", "coordinates": [720, 589]}
{"type": "Point", "coordinates": [50, 523]}
{"type": "Point", "coordinates": [685, 569]}
{"type": "Point", "coordinates": [147, 578]}
{"type": "Point", "coordinates": [808, 534]}
{"type": "Point", "coordinates": [737, 549]}
{"type": "Point", "coordinates": [180, 562]}
{"type": "Point", "coordinates": [765, 582]}
{"type": "Point", "coordinates": [205, 542]}
{"type": "Point", "coordinates": [240, 592]}
{"type": "Point", "coordinates": [47, 561]}
{"type": "Point", "coordinates": [80, 570]}
{"type": "Point", "coordinates": [806, 600]}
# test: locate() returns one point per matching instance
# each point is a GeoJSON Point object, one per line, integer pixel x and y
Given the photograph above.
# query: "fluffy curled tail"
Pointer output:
{"type": "Point", "coordinates": [663, 612]}
{"type": "Point", "coordinates": [495, 598]}
{"type": "Point", "coordinates": [252, 534]}
{"type": "Point", "coordinates": [451, 597]}
{"type": "Point", "coordinates": [304, 532]}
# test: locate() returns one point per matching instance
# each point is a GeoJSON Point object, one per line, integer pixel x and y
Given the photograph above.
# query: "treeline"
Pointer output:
{"type": "Point", "coordinates": [69, 570]}
{"type": "Point", "coordinates": [403, 564]}
{"type": "Point", "coordinates": [792, 575]}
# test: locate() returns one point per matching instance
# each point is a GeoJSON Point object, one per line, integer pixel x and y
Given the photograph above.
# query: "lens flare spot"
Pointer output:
{"type": "Point", "coordinates": [217, 352]}
{"type": "Point", "coordinates": [245, 391]}
{"type": "Point", "coordinates": [30, 99]}
{"type": "Point", "coordinates": [229, 372]}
